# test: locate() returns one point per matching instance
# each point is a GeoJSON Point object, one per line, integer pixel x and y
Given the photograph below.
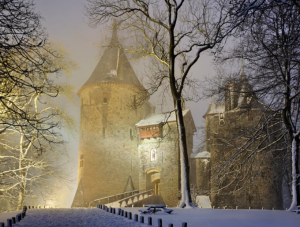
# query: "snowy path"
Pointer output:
{"type": "Point", "coordinates": [225, 218]}
{"type": "Point", "coordinates": [194, 217]}
{"type": "Point", "coordinates": [74, 218]}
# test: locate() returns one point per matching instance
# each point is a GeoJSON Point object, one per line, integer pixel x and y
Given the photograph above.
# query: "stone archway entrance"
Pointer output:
{"type": "Point", "coordinates": [153, 181]}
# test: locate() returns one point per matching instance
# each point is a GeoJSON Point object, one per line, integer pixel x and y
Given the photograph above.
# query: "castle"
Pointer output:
{"type": "Point", "coordinates": [124, 146]}
{"type": "Point", "coordinates": [228, 125]}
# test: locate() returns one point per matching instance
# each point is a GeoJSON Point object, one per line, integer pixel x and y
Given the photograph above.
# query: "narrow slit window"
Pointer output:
{"type": "Point", "coordinates": [131, 135]}
{"type": "Point", "coordinates": [134, 101]}
{"type": "Point", "coordinates": [105, 97]}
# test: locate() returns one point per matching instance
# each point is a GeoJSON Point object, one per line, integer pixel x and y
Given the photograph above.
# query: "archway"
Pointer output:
{"type": "Point", "coordinates": [153, 181]}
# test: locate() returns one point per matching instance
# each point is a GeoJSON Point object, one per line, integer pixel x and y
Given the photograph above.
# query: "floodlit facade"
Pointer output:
{"type": "Point", "coordinates": [112, 144]}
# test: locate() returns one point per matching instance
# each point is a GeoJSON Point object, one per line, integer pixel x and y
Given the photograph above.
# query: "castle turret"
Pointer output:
{"type": "Point", "coordinates": [229, 126]}
{"type": "Point", "coordinates": [108, 155]}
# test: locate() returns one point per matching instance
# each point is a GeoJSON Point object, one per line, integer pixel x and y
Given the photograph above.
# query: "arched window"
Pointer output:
{"type": "Point", "coordinates": [153, 155]}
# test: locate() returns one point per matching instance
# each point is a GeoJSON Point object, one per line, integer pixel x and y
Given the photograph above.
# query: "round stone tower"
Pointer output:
{"type": "Point", "coordinates": [108, 155]}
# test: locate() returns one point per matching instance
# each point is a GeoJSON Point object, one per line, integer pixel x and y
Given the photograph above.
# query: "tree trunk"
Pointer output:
{"type": "Point", "coordinates": [297, 167]}
{"type": "Point", "coordinates": [295, 192]}
{"type": "Point", "coordinates": [186, 200]}
{"type": "Point", "coordinates": [21, 196]}
{"type": "Point", "coordinates": [22, 177]}
{"type": "Point", "coordinates": [22, 186]}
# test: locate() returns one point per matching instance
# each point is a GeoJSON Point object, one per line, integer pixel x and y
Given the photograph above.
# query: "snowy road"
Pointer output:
{"type": "Point", "coordinates": [74, 218]}
{"type": "Point", "coordinates": [194, 217]}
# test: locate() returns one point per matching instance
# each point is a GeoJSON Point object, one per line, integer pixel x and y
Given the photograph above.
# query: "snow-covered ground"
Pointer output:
{"type": "Point", "coordinates": [225, 218]}
{"type": "Point", "coordinates": [194, 218]}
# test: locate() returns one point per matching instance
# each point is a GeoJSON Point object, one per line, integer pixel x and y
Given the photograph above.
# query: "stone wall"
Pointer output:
{"type": "Point", "coordinates": [244, 185]}
{"type": "Point", "coordinates": [108, 152]}
{"type": "Point", "coordinates": [168, 159]}
{"type": "Point", "coordinates": [166, 164]}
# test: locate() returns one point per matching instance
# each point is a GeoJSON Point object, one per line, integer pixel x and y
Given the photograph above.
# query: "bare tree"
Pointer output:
{"type": "Point", "coordinates": [270, 46]}
{"type": "Point", "coordinates": [29, 126]}
{"type": "Point", "coordinates": [174, 33]}
{"type": "Point", "coordinates": [25, 55]}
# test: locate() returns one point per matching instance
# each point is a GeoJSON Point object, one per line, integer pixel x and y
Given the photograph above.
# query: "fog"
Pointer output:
{"type": "Point", "coordinates": [65, 22]}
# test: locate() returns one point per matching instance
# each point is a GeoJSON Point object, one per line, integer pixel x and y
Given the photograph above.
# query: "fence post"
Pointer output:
{"type": "Point", "coordinates": [159, 222]}
{"type": "Point", "coordinates": [170, 225]}
{"type": "Point", "coordinates": [13, 220]}
{"type": "Point", "coordinates": [136, 217]}
{"type": "Point", "coordinates": [141, 219]}
{"type": "Point", "coordinates": [184, 224]}
{"type": "Point", "coordinates": [23, 214]}
{"type": "Point", "coordinates": [25, 208]}
{"type": "Point", "coordinates": [125, 214]}
{"type": "Point", "coordinates": [149, 220]}
{"type": "Point", "coordinates": [9, 223]}
{"type": "Point", "coordinates": [18, 217]}
{"type": "Point", "coordinates": [130, 215]}
{"type": "Point", "coordinates": [122, 213]}
{"type": "Point", "coordinates": [119, 211]}
{"type": "Point", "coordinates": [1, 224]}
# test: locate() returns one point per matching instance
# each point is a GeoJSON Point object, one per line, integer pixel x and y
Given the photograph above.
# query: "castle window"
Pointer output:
{"type": "Point", "coordinates": [221, 119]}
{"type": "Point", "coordinates": [104, 97]}
{"type": "Point", "coordinates": [131, 135]}
{"type": "Point", "coordinates": [134, 101]}
{"type": "Point", "coordinates": [153, 155]}
{"type": "Point", "coordinates": [81, 160]}
{"type": "Point", "coordinates": [103, 133]}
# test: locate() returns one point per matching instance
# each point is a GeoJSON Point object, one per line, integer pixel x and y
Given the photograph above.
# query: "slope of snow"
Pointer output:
{"type": "Point", "coordinates": [203, 201]}
{"type": "Point", "coordinates": [194, 217]}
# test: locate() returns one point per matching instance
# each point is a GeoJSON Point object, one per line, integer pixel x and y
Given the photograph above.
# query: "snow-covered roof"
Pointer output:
{"type": "Point", "coordinates": [155, 119]}
{"type": "Point", "coordinates": [202, 154]}
{"type": "Point", "coordinates": [113, 66]}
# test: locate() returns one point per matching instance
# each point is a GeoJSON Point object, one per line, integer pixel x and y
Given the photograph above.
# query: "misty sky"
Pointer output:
{"type": "Point", "coordinates": [66, 23]}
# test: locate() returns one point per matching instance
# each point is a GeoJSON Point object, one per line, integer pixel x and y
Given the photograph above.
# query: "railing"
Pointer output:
{"type": "Point", "coordinates": [131, 199]}
{"type": "Point", "coordinates": [113, 198]}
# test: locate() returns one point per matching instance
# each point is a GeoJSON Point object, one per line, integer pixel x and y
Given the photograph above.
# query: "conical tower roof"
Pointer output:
{"type": "Point", "coordinates": [113, 66]}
